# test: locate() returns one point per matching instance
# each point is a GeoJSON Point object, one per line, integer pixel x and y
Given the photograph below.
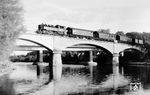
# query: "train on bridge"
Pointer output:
{"type": "Point", "coordinates": [102, 34]}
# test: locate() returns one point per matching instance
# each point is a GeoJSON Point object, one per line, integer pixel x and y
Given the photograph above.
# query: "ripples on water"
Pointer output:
{"type": "Point", "coordinates": [6, 85]}
{"type": "Point", "coordinates": [24, 72]}
{"type": "Point", "coordinates": [78, 80]}
{"type": "Point", "coordinates": [105, 81]}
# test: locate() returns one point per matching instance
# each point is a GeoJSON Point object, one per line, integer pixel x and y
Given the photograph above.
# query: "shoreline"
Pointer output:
{"type": "Point", "coordinates": [139, 63]}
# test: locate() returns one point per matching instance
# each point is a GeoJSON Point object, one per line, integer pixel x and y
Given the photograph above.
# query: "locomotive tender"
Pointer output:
{"type": "Point", "coordinates": [85, 34]}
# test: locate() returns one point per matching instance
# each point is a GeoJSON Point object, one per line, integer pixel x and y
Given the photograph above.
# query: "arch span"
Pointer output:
{"type": "Point", "coordinates": [131, 55]}
{"type": "Point", "coordinates": [100, 54]}
{"type": "Point", "coordinates": [93, 46]}
{"type": "Point", "coordinates": [134, 49]}
{"type": "Point", "coordinates": [36, 43]}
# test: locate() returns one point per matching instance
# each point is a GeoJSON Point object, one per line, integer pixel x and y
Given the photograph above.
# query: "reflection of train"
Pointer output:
{"type": "Point", "coordinates": [85, 34]}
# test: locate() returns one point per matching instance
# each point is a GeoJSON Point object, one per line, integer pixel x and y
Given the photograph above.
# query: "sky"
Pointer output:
{"type": "Point", "coordinates": [117, 15]}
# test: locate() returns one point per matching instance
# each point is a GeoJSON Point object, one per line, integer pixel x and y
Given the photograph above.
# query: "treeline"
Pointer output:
{"type": "Point", "coordinates": [30, 57]}
{"type": "Point", "coordinates": [68, 57]}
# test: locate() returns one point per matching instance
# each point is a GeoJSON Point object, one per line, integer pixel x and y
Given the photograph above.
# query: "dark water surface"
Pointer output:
{"type": "Point", "coordinates": [105, 80]}
{"type": "Point", "coordinates": [22, 79]}
{"type": "Point", "coordinates": [82, 80]}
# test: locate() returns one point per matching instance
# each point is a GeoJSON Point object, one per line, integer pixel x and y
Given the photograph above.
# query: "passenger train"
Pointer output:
{"type": "Point", "coordinates": [85, 34]}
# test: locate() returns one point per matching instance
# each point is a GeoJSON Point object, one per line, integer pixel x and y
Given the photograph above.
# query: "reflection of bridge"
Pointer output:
{"type": "Point", "coordinates": [57, 44]}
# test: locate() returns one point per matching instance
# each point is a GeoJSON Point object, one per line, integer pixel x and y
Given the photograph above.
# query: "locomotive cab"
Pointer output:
{"type": "Point", "coordinates": [95, 34]}
{"type": "Point", "coordinates": [41, 27]}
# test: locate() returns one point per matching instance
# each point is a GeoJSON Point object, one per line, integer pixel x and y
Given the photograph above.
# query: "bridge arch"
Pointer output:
{"type": "Point", "coordinates": [130, 49]}
{"type": "Point", "coordinates": [134, 49]}
{"type": "Point", "coordinates": [107, 46]}
{"type": "Point", "coordinates": [101, 55]}
{"type": "Point", "coordinates": [131, 55]}
{"type": "Point", "coordinates": [40, 44]}
{"type": "Point", "coordinates": [50, 59]}
{"type": "Point", "coordinates": [35, 44]}
{"type": "Point", "coordinates": [93, 45]}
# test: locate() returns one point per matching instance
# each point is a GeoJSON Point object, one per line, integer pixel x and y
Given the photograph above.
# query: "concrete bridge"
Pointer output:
{"type": "Point", "coordinates": [57, 44]}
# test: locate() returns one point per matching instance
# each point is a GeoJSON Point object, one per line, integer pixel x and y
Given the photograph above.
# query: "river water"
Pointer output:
{"type": "Point", "coordinates": [85, 80]}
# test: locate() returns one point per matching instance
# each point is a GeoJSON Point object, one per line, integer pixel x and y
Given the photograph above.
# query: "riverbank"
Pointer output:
{"type": "Point", "coordinates": [23, 78]}
{"type": "Point", "coordinates": [138, 63]}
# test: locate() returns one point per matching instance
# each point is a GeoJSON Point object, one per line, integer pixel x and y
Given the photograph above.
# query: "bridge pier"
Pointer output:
{"type": "Point", "coordinates": [91, 63]}
{"type": "Point", "coordinates": [115, 69]}
{"type": "Point", "coordinates": [122, 53]}
{"type": "Point", "coordinates": [39, 60]}
{"type": "Point", "coordinates": [115, 58]}
{"type": "Point", "coordinates": [57, 65]}
{"type": "Point", "coordinates": [40, 55]}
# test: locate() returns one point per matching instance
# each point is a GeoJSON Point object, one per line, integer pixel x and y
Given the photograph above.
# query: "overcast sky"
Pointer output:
{"type": "Point", "coordinates": [123, 15]}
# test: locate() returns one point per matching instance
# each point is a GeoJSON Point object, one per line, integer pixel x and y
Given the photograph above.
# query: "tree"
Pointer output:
{"type": "Point", "coordinates": [146, 37]}
{"type": "Point", "coordinates": [10, 26]}
{"type": "Point", "coordinates": [120, 33]}
{"type": "Point", "coordinates": [135, 35]}
{"type": "Point", "coordinates": [104, 30]}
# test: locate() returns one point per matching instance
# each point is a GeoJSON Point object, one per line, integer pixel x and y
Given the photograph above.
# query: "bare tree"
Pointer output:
{"type": "Point", "coordinates": [10, 25]}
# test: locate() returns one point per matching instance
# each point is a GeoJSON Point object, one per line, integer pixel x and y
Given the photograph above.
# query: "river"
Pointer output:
{"type": "Point", "coordinates": [83, 80]}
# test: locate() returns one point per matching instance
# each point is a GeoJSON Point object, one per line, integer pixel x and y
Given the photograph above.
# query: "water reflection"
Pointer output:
{"type": "Point", "coordinates": [139, 74]}
{"type": "Point", "coordinates": [106, 80]}
{"type": "Point", "coordinates": [115, 79]}
{"type": "Point", "coordinates": [14, 82]}
{"type": "Point", "coordinates": [82, 80]}
{"type": "Point", "coordinates": [87, 80]}
{"type": "Point", "coordinates": [22, 80]}
{"type": "Point", "coordinates": [101, 73]}
{"type": "Point", "coordinates": [22, 71]}
{"type": "Point", "coordinates": [6, 85]}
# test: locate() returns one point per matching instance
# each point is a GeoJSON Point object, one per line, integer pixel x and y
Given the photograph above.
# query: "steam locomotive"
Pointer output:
{"type": "Point", "coordinates": [85, 34]}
